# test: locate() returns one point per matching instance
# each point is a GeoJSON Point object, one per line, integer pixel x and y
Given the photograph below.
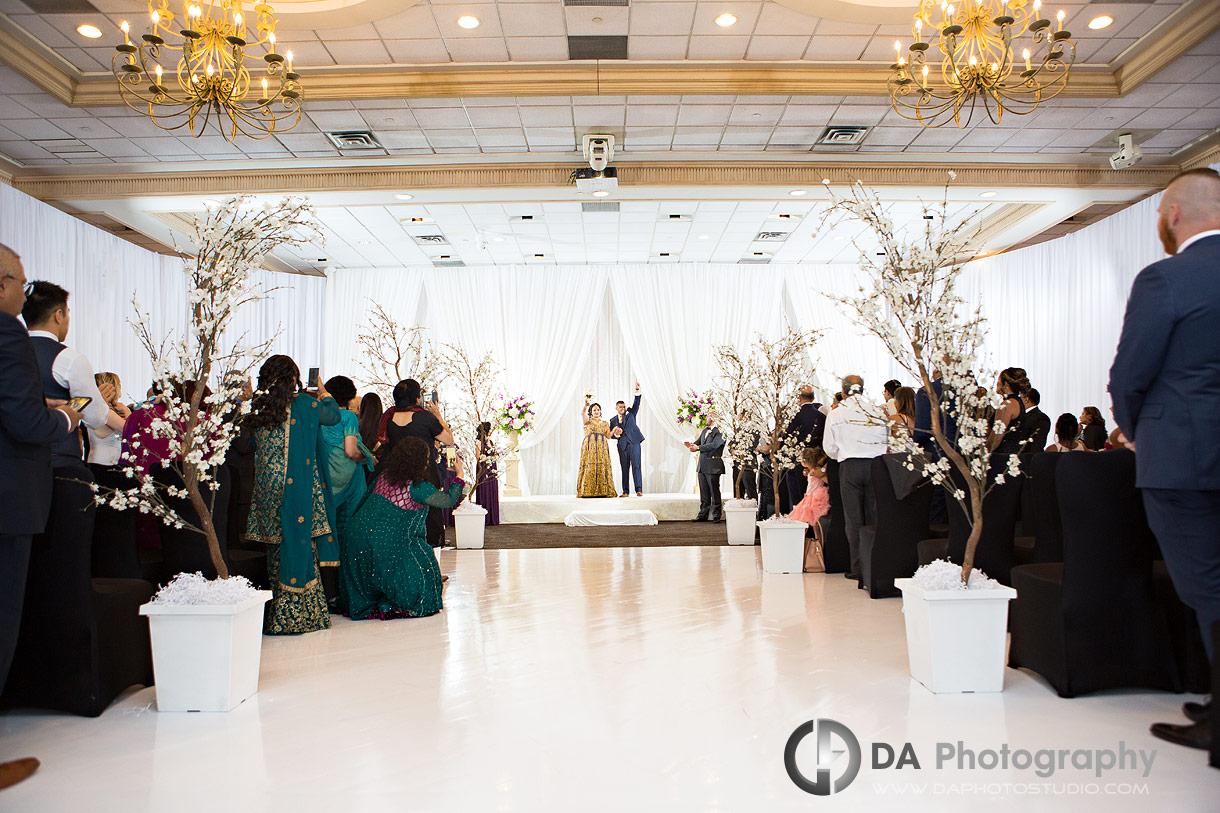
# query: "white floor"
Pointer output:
{"type": "Point", "coordinates": [585, 680]}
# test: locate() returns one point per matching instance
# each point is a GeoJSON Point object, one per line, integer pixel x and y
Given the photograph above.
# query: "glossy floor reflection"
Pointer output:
{"type": "Point", "coordinates": [632, 679]}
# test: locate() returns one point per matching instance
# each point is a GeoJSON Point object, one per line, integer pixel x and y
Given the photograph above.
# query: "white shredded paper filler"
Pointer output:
{"type": "Point", "coordinates": [193, 588]}
{"type": "Point", "coordinates": [944, 575]}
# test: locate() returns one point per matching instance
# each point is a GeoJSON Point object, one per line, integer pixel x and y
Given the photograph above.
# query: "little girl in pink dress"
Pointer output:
{"type": "Point", "coordinates": [816, 503]}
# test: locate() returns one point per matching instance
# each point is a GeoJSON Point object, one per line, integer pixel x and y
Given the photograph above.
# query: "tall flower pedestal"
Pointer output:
{"type": "Point", "coordinates": [512, 461]}
{"type": "Point", "coordinates": [783, 545]}
{"type": "Point", "coordinates": [206, 657]}
{"type": "Point", "coordinates": [956, 638]}
{"type": "Point", "coordinates": [739, 518]}
{"type": "Point", "coordinates": [469, 521]}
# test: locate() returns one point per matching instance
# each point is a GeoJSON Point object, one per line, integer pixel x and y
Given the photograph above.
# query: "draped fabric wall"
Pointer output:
{"type": "Point", "coordinates": [103, 273]}
{"type": "Point", "coordinates": [1055, 309]}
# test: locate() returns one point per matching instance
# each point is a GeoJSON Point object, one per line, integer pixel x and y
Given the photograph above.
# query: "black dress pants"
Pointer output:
{"type": "Point", "coordinates": [749, 482]}
{"type": "Point", "coordinates": [434, 524]}
{"type": "Point", "coordinates": [14, 567]}
{"type": "Point", "coordinates": [709, 496]}
{"type": "Point", "coordinates": [1187, 527]}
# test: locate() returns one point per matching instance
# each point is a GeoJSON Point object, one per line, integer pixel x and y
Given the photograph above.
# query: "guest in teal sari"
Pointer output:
{"type": "Point", "coordinates": [389, 570]}
{"type": "Point", "coordinates": [291, 511]}
{"type": "Point", "coordinates": [346, 454]}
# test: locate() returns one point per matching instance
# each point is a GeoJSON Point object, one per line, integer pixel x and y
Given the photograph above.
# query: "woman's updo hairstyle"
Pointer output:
{"type": "Point", "coordinates": [1014, 378]}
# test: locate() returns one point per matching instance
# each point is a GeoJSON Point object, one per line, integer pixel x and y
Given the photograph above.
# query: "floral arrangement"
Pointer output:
{"type": "Point", "coordinates": [912, 304]}
{"type": "Point", "coordinates": [693, 408]}
{"type": "Point", "coordinates": [514, 414]}
{"type": "Point", "coordinates": [195, 589]}
{"type": "Point", "coordinates": [203, 379]}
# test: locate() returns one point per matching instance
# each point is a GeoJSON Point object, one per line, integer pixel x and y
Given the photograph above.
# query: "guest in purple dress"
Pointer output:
{"type": "Point", "coordinates": [487, 492]}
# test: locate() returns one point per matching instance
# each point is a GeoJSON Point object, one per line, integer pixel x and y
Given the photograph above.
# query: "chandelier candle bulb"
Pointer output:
{"type": "Point", "coordinates": [126, 29]}
{"type": "Point", "coordinates": [1060, 17]}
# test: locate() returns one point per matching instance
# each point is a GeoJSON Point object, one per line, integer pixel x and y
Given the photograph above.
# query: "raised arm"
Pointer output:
{"type": "Point", "coordinates": [584, 414]}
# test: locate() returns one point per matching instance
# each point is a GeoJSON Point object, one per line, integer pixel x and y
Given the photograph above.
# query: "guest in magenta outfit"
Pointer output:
{"type": "Point", "coordinates": [487, 492]}
{"type": "Point", "coordinates": [816, 503]}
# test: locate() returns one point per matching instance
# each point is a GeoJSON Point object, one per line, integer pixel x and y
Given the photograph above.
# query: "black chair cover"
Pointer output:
{"type": "Point", "coordinates": [994, 555]}
{"type": "Point", "coordinates": [835, 552]}
{"type": "Point", "coordinates": [888, 549]}
{"type": "Point", "coordinates": [115, 555]}
{"type": "Point", "coordinates": [1092, 622]}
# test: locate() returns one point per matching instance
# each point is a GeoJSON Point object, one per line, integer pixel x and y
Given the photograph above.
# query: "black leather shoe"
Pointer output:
{"type": "Point", "coordinates": [699, 519]}
{"type": "Point", "coordinates": [1197, 735]}
{"type": "Point", "coordinates": [1197, 712]}
{"type": "Point", "coordinates": [850, 576]}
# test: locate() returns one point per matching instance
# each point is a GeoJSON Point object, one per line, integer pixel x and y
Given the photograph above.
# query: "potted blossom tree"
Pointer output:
{"type": "Point", "coordinates": [777, 369]}
{"type": "Point", "coordinates": [206, 634]}
{"type": "Point", "coordinates": [956, 617]}
{"type": "Point", "coordinates": [390, 351]}
{"type": "Point", "coordinates": [735, 391]}
{"type": "Point", "coordinates": [475, 384]}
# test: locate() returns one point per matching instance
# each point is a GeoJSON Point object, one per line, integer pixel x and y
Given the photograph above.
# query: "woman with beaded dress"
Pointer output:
{"type": "Point", "coordinates": [389, 570]}
{"type": "Point", "coordinates": [596, 478]}
{"type": "Point", "coordinates": [291, 511]}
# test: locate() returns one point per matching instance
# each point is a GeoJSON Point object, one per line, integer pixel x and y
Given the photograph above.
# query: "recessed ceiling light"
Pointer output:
{"type": "Point", "coordinates": [796, 193]}
{"type": "Point", "coordinates": [90, 31]}
{"type": "Point", "coordinates": [1103, 21]}
{"type": "Point", "coordinates": [366, 242]}
{"type": "Point", "coordinates": [705, 237]}
{"type": "Point", "coordinates": [497, 239]}
{"type": "Point", "coordinates": [468, 21]}
{"type": "Point", "coordinates": [987, 194]}
{"type": "Point", "coordinates": [726, 19]}
{"type": "Point", "coordinates": [404, 196]}
{"type": "Point", "coordinates": [600, 193]}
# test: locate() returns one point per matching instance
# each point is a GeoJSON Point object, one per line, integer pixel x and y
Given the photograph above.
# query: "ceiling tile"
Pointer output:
{"type": "Point", "coordinates": [35, 128]}
{"type": "Point", "coordinates": [86, 127]}
{"type": "Point", "coordinates": [554, 116]}
{"type": "Point", "coordinates": [1032, 137]}
{"type": "Point", "coordinates": [599, 115]}
{"type": "Point", "coordinates": [860, 114]}
{"type": "Point", "coordinates": [414, 23]}
{"type": "Point", "coordinates": [795, 115]}
{"type": "Point", "coordinates": [581, 21]}
{"type": "Point", "coordinates": [337, 120]}
{"type": "Point", "coordinates": [447, 19]}
{"type": "Point", "coordinates": [717, 47]}
{"type": "Point", "coordinates": [359, 52]}
{"type": "Point", "coordinates": [836, 49]}
{"type": "Point", "coordinates": [390, 120]}
{"type": "Point", "coordinates": [493, 116]}
{"type": "Point", "coordinates": [1193, 96]}
{"type": "Point", "coordinates": [532, 20]}
{"type": "Point", "coordinates": [1158, 118]}
{"type": "Point", "coordinates": [538, 49]}
{"type": "Point", "coordinates": [657, 47]}
{"type": "Point", "coordinates": [658, 19]}
{"type": "Point", "coordinates": [777, 47]}
{"type": "Point", "coordinates": [940, 137]}
{"type": "Point", "coordinates": [441, 139]}
{"type": "Point", "coordinates": [442, 117]}
{"type": "Point", "coordinates": [486, 49]}
{"type": "Point", "coordinates": [551, 137]}
{"type": "Point", "coordinates": [307, 54]}
{"type": "Point", "coordinates": [836, 28]}
{"type": "Point", "coordinates": [364, 31]}
{"type": "Point", "coordinates": [800, 136]}
{"type": "Point", "coordinates": [783, 21]}
{"type": "Point", "coordinates": [894, 136]}
{"type": "Point", "coordinates": [697, 136]}
{"type": "Point", "coordinates": [652, 115]}
{"type": "Point", "coordinates": [116, 147]}
{"type": "Point", "coordinates": [705, 114]}
{"type": "Point", "coordinates": [756, 115]}
{"type": "Point", "coordinates": [501, 137]}
{"type": "Point", "coordinates": [1079, 138]}
{"type": "Point", "coordinates": [745, 136]}
{"type": "Point", "coordinates": [1207, 119]}
{"type": "Point", "coordinates": [1174, 138]}
{"type": "Point", "coordinates": [707, 12]}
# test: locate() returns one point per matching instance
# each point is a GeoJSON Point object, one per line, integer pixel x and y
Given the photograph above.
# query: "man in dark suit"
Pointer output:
{"type": "Point", "coordinates": [938, 513]}
{"type": "Point", "coordinates": [624, 429]}
{"type": "Point", "coordinates": [807, 425]}
{"type": "Point", "coordinates": [1036, 425]}
{"type": "Point", "coordinates": [28, 427]}
{"type": "Point", "coordinates": [710, 448]}
{"type": "Point", "coordinates": [1164, 383]}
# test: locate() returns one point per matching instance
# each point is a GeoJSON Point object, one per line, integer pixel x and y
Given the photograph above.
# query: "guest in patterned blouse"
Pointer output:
{"type": "Point", "coordinates": [291, 510]}
{"type": "Point", "coordinates": [389, 570]}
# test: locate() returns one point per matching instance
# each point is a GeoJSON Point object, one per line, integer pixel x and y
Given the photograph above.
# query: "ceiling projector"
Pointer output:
{"type": "Point", "coordinates": [599, 178]}
{"type": "Point", "coordinates": [1128, 154]}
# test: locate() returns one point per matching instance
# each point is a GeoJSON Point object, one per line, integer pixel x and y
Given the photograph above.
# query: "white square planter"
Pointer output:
{"type": "Point", "coordinates": [739, 522]}
{"type": "Point", "coordinates": [469, 522]}
{"type": "Point", "coordinates": [956, 639]}
{"type": "Point", "coordinates": [783, 547]}
{"type": "Point", "coordinates": [206, 657]}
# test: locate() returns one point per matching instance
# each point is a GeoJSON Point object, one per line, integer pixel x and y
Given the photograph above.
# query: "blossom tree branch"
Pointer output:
{"type": "Point", "coordinates": [390, 351]}
{"type": "Point", "coordinates": [477, 384]}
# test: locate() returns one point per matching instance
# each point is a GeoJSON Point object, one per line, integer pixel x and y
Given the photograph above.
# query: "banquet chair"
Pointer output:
{"type": "Point", "coordinates": [1092, 622]}
{"type": "Point", "coordinates": [82, 640]}
{"type": "Point", "coordinates": [1185, 637]}
{"type": "Point", "coordinates": [995, 554]}
{"type": "Point", "coordinates": [114, 553]}
{"type": "Point", "coordinates": [835, 552]}
{"type": "Point", "coordinates": [888, 549]}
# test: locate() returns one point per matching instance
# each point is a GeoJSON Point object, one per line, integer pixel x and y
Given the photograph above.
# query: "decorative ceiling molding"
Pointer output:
{"type": "Point", "coordinates": [1185, 29]}
{"type": "Point", "coordinates": [1204, 155]}
{"type": "Point", "coordinates": [643, 174]}
{"type": "Point", "coordinates": [1009, 216]}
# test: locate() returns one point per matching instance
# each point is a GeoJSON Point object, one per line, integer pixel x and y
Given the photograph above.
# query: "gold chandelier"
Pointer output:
{"type": "Point", "coordinates": [978, 62]}
{"type": "Point", "coordinates": [211, 78]}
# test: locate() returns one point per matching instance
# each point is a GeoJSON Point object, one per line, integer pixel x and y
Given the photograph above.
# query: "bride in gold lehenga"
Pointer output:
{"type": "Point", "coordinates": [596, 477]}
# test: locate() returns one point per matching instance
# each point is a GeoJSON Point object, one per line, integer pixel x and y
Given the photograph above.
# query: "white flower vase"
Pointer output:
{"type": "Point", "coordinates": [783, 546]}
{"type": "Point", "coordinates": [511, 439]}
{"type": "Point", "coordinates": [469, 521]}
{"type": "Point", "coordinates": [956, 639]}
{"type": "Point", "coordinates": [206, 657]}
{"type": "Point", "coordinates": [739, 522]}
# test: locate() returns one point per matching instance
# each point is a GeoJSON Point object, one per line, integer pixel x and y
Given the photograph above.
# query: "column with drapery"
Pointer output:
{"type": "Point", "coordinates": [538, 321]}
{"type": "Point", "coordinates": [673, 318]}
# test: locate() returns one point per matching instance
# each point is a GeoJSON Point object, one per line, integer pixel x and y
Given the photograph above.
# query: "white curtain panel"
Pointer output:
{"type": "Point", "coordinates": [350, 297]}
{"type": "Point", "coordinates": [672, 319]}
{"type": "Point", "coordinates": [539, 322]}
{"type": "Point", "coordinates": [844, 348]}
{"type": "Point", "coordinates": [103, 273]}
{"type": "Point", "coordinates": [1056, 308]}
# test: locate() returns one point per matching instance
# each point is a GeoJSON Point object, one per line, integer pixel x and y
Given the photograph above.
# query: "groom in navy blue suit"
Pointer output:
{"type": "Point", "coordinates": [623, 428]}
{"type": "Point", "coordinates": [1164, 384]}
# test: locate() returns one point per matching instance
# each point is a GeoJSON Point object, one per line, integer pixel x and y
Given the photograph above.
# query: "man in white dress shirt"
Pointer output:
{"type": "Point", "coordinates": [65, 372]}
{"type": "Point", "coordinates": [856, 432]}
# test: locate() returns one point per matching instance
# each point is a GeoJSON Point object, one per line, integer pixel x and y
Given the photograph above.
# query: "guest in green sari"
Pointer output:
{"type": "Point", "coordinates": [290, 511]}
{"type": "Point", "coordinates": [346, 460]}
{"type": "Point", "coordinates": [389, 570]}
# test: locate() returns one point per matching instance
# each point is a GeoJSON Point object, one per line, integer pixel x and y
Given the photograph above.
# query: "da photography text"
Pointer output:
{"type": "Point", "coordinates": [838, 757]}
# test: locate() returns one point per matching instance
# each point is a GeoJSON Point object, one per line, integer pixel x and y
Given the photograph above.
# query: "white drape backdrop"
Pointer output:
{"type": "Point", "coordinates": [1055, 309]}
{"type": "Point", "coordinates": [102, 274]}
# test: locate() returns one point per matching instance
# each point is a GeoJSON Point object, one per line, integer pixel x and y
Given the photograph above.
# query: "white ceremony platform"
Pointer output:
{"type": "Point", "coordinates": [556, 508]}
{"type": "Point", "coordinates": [587, 518]}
